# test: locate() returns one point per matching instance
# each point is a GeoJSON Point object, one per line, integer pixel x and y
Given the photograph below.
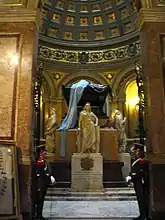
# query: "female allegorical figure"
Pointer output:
{"type": "Point", "coordinates": [88, 131]}
{"type": "Point", "coordinates": [50, 132]}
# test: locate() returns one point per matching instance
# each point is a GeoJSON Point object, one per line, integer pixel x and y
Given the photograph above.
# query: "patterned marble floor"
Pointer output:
{"type": "Point", "coordinates": [90, 209]}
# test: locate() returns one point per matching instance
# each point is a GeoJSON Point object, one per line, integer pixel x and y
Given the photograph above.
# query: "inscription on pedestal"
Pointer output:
{"type": "Point", "coordinates": [87, 172]}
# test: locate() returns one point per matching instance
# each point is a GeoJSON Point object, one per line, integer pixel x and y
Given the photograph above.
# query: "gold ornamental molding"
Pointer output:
{"type": "Point", "coordinates": [148, 15]}
{"type": "Point", "coordinates": [20, 15]}
{"type": "Point", "coordinates": [22, 3]}
{"type": "Point", "coordinates": [127, 51]}
{"type": "Point", "coordinates": [13, 3]}
{"type": "Point", "coordinates": [147, 3]}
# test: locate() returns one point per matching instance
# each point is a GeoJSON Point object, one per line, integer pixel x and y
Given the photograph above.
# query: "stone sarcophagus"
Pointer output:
{"type": "Point", "coordinates": [95, 94]}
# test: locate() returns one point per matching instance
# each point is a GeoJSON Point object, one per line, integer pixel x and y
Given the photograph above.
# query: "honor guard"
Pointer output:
{"type": "Point", "coordinates": [42, 178]}
{"type": "Point", "coordinates": [139, 175]}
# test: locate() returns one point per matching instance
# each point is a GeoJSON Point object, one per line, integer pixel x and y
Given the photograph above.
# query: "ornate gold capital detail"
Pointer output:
{"type": "Point", "coordinates": [22, 3]}
{"type": "Point", "coordinates": [147, 3]}
{"type": "Point", "coordinates": [20, 15]}
{"type": "Point", "coordinates": [35, 3]}
{"type": "Point", "coordinates": [13, 3]}
{"type": "Point", "coordinates": [149, 16]}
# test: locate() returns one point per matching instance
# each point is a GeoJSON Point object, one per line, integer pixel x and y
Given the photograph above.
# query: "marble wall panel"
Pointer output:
{"type": "Point", "coordinates": [27, 69]}
{"type": "Point", "coordinates": [8, 72]}
{"type": "Point", "coordinates": [154, 85]}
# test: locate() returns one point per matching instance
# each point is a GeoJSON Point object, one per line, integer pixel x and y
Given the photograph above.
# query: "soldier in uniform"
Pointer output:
{"type": "Point", "coordinates": [139, 175]}
{"type": "Point", "coordinates": [41, 179]}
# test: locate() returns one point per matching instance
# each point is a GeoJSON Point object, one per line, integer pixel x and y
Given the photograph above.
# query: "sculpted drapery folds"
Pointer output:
{"type": "Point", "coordinates": [88, 131]}
{"type": "Point", "coordinates": [50, 132]}
{"type": "Point", "coordinates": [119, 125]}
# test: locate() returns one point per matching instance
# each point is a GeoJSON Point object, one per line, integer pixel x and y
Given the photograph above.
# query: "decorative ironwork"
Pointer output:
{"type": "Point", "coordinates": [110, 55]}
{"type": "Point", "coordinates": [37, 94]}
{"type": "Point", "coordinates": [37, 87]}
{"type": "Point", "coordinates": [141, 94]}
{"type": "Point", "coordinates": [87, 163]}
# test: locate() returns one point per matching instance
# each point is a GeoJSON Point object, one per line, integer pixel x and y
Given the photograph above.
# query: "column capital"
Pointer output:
{"type": "Point", "coordinates": [22, 3]}
{"type": "Point", "coordinates": [150, 15]}
{"type": "Point", "coordinates": [19, 15]}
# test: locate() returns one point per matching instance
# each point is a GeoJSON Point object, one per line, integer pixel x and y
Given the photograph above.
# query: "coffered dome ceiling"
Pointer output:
{"type": "Point", "coordinates": [87, 23]}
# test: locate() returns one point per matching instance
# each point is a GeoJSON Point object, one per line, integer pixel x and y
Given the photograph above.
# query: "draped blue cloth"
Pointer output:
{"type": "Point", "coordinates": [70, 120]}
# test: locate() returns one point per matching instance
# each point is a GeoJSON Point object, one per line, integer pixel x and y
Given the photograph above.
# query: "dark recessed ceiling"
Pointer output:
{"type": "Point", "coordinates": [87, 22]}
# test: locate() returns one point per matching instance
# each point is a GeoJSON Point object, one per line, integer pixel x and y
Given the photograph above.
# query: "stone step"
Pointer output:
{"type": "Point", "coordinates": [60, 193]}
{"type": "Point", "coordinates": [125, 189]}
{"type": "Point", "coordinates": [91, 198]}
{"type": "Point", "coordinates": [118, 194]}
{"type": "Point", "coordinates": [105, 189]}
{"type": "Point", "coordinates": [68, 191]}
{"type": "Point", "coordinates": [79, 218]}
{"type": "Point", "coordinates": [106, 184]}
{"type": "Point", "coordinates": [90, 209]}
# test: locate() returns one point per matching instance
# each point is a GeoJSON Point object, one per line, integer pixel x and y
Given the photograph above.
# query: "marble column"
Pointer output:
{"type": "Point", "coordinates": [19, 27]}
{"type": "Point", "coordinates": [151, 23]}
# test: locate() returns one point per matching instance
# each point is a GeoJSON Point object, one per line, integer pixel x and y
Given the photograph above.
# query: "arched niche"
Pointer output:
{"type": "Point", "coordinates": [132, 108]}
{"type": "Point", "coordinates": [122, 80]}
{"type": "Point", "coordinates": [122, 85]}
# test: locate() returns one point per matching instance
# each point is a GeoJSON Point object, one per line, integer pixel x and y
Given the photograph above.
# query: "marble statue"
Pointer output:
{"type": "Point", "coordinates": [50, 132]}
{"type": "Point", "coordinates": [119, 125]}
{"type": "Point", "coordinates": [88, 139]}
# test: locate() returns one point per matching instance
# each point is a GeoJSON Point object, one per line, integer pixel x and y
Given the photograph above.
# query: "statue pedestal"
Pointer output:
{"type": "Point", "coordinates": [87, 172]}
{"type": "Point", "coordinates": [126, 159]}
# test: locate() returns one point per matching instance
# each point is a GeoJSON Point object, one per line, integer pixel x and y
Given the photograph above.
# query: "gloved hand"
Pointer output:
{"type": "Point", "coordinates": [128, 179]}
{"type": "Point", "coordinates": [52, 179]}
